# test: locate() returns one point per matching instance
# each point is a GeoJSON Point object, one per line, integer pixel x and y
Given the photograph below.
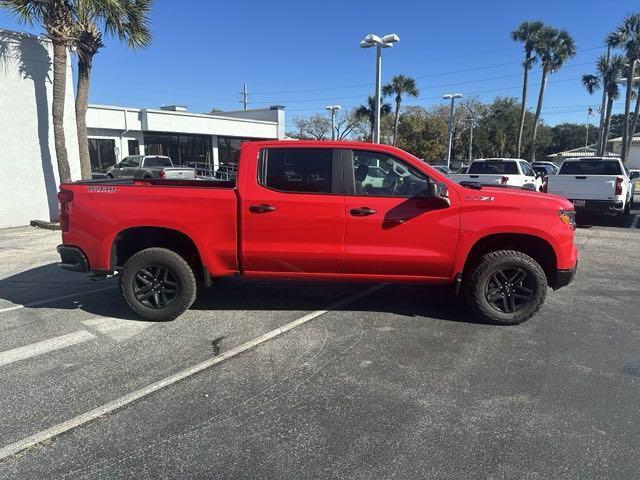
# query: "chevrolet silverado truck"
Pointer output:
{"type": "Point", "coordinates": [596, 185]}
{"type": "Point", "coordinates": [307, 210]}
{"type": "Point", "coordinates": [503, 171]}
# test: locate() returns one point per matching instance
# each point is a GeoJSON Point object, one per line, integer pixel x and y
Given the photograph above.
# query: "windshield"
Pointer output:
{"type": "Point", "coordinates": [157, 162]}
{"type": "Point", "coordinates": [591, 167]}
{"type": "Point", "coordinates": [494, 168]}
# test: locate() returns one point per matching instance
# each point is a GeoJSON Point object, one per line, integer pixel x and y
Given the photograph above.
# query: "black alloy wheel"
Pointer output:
{"type": "Point", "coordinates": [155, 286]}
{"type": "Point", "coordinates": [509, 290]}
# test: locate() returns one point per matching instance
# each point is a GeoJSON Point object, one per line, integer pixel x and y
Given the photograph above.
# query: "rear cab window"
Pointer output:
{"type": "Point", "coordinates": [296, 170]}
{"type": "Point", "coordinates": [157, 162]}
{"type": "Point", "coordinates": [494, 167]}
{"type": "Point", "coordinates": [590, 167]}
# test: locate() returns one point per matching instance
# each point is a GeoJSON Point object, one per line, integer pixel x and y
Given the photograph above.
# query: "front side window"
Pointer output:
{"type": "Point", "coordinates": [378, 174]}
{"type": "Point", "coordinates": [526, 169]}
{"type": "Point", "coordinates": [296, 169]}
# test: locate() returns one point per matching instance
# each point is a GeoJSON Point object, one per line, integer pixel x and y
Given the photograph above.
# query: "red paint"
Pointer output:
{"type": "Point", "coordinates": [315, 235]}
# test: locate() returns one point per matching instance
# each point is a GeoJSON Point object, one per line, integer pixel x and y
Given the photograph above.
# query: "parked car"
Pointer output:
{"type": "Point", "coordinates": [553, 166]}
{"type": "Point", "coordinates": [596, 185]}
{"type": "Point", "coordinates": [149, 166]}
{"type": "Point", "coordinates": [503, 171]}
{"type": "Point", "coordinates": [544, 170]}
{"type": "Point", "coordinates": [299, 211]}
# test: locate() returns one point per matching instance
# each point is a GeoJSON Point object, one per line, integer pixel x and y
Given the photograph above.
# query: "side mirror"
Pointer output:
{"type": "Point", "coordinates": [634, 175]}
{"type": "Point", "coordinates": [437, 190]}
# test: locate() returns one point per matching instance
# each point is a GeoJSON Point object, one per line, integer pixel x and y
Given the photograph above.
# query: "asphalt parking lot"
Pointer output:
{"type": "Point", "coordinates": [371, 382]}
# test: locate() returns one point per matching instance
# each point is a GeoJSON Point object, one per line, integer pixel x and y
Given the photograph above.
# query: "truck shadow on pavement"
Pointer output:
{"type": "Point", "coordinates": [49, 287]}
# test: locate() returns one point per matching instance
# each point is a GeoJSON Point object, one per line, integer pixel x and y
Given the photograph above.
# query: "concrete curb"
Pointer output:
{"type": "Point", "coordinates": [44, 224]}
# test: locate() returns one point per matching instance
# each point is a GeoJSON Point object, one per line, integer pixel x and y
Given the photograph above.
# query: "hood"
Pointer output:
{"type": "Point", "coordinates": [515, 196]}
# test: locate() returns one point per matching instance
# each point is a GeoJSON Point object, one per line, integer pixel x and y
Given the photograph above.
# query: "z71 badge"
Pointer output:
{"type": "Point", "coordinates": [479, 198]}
{"type": "Point", "coordinates": [102, 189]}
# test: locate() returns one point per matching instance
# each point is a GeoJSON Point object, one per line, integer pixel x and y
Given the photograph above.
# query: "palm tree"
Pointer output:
{"type": "Point", "coordinates": [368, 112]}
{"type": "Point", "coordinates": [400, 85]}
{"type": "Point", "coordinates": [627, 37]}
{"type": "Point", "coordinates": [526, 33]}
{"type": "Point", "coordinates": [128, 20]}
{"type": "Point", "coordinates": [56, 18]}
{"type": "Point", "coordinates": [553, 47]}
{"type": "Point", "coordinates": [610, 70]}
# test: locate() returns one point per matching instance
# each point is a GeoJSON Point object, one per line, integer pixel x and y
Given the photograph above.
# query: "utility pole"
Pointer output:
{"type": "Point", "coordinates": [452, 97]}
{"type": "Point", "coordinates": [245, 97]}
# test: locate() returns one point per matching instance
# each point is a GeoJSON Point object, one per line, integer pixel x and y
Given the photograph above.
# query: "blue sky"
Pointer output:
{"type": "Point", "coordinates": [305, 55]}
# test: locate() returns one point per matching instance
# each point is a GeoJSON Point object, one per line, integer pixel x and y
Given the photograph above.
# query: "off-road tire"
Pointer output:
{"type": "Point", "coordinates": [476, 284]}
{"type": "Point", "coordinates": [180, 270]}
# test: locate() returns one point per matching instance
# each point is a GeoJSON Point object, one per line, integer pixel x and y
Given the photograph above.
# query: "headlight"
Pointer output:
{"type": "Point", "coordinates": [568, 217]}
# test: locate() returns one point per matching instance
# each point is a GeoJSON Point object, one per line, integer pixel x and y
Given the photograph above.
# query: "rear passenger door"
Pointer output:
{"type": "Point", "coordinates": [530, 179]}
{"type": "Point", "coordinates": [293, 213]}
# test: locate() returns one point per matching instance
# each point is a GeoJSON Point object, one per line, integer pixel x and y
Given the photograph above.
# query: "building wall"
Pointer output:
{"type": "Point", "coordinates": [634, 154]}
{"type": "Point", "coordinates": [28, 166]}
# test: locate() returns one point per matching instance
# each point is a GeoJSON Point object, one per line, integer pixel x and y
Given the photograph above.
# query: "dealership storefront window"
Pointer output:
{"type": "Point", "coordinates": [182, 149]}
{"type": "Point", "coordinates": [102, 153]}
{"type": "Point", "coordinates": [228, 149]}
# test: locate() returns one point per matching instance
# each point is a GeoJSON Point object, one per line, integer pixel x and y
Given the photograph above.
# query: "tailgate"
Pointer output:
{"type": "Point", "coordinates": [583, 187]}
{"type": "Point", "coordinates": [179, 173]}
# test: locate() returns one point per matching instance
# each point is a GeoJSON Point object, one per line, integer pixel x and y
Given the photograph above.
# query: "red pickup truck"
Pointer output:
{"type": "Point", "coordinates": [321, 210]}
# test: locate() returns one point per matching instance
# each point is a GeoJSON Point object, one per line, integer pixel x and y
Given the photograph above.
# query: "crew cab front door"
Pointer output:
{"type": "Point", "coordinates": [293, 213]}
{"type": "Point", "coordinates": [392, 228]}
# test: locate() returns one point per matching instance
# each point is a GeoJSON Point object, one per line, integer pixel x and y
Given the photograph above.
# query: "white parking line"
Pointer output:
{"type": "Point", "coordinates": [635, 221]}
{"type": "Point", "coordinates": [74, 422]}
{"type": "Point", "coordinates": [39, 348]}
{"type": "Point", "coordinates": [54, 299]}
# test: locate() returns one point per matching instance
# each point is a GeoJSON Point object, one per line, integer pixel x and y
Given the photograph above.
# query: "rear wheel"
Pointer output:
{"type": "Point", "coordinates": [627, 207]}
{"type": "Point", "coordinates": [506, 287]}
{"type": "Point", "coordinates": [158, 284]}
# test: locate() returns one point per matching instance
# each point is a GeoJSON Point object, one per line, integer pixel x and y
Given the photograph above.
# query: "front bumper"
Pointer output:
{"type": "Point", "coordinates": [73, 259]}
{"type": "Point", "coordinates": [611, 207]}
{"type": "Point", "coordinates": [564, 277]}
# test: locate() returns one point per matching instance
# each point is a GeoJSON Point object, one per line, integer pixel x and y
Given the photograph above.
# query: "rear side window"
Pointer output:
{"type": "Point", "coordinates": [590, 167]}
{"type": "Point", "coordinates": [157, 162]}
{"type": "Point", "coordinates": [494, 168]}
{"type": "Point", "coordinates": [304, 170]}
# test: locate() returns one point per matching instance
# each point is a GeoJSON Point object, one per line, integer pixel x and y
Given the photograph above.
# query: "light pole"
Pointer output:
{"type": "Point", "coordinates": [387, 41]}
{"type": "Point", "coordinates": [332, 109]}
{"type": "Point", "coordinates": [452, 97]}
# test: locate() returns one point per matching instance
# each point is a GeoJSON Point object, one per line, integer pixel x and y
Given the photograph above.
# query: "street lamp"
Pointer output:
{"type": "Point", "coordinates": [333, 109]}
{"type": "Point", "coordinates": [387, 41]}
{"type": "Point", "coordinates": [452, 97]}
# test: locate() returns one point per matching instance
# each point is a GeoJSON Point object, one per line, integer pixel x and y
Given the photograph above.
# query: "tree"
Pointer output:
{"type": "Point", "coordinates": [56, 18]}
{"type": "Point", "coordinates": [567, 136]}
{"type": "Point", "coordinates": [627, 37]}
{"type": "Point", "coordinates": [423, 133]}
{"type": "Point", "coordinates": [316, 127]}
{"type": "Point", "coordinates": [128, 20]}
{"type": "Point", "coordinates": [527, 33]}
{"type": "Point", "coordinates": [368, 112]}
{"type": "Point", "coordinates": [399, 86]}
{"type": "Point", "coordinates": [553, 47]}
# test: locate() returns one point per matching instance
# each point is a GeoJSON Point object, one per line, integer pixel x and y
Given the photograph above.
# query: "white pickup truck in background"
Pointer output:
{"type": "Point", "coordinates": [504, 171]}
{"type": "Point", "coordinates": [596, 185]}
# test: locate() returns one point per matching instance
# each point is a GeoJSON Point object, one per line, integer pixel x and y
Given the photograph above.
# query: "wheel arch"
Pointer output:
{"type": "Point", "coordinates": [538, 248]}
{"type": "Point", "coordinates": [132, 240]}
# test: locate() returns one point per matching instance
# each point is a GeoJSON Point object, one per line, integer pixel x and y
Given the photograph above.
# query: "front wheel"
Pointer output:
{"type": "Point", "coordinates": [505, 287]}
{"type": "Point", "coordinates": [158, 284]}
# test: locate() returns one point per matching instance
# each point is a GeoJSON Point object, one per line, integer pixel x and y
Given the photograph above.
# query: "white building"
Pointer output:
{"type": "Point", "coordinates": [634, 152]}
{"type": "Point", "coordinates": [28, 167]}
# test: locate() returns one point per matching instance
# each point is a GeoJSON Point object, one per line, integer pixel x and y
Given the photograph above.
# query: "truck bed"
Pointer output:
{"type": "Point", "coordinates": [203, 210]}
